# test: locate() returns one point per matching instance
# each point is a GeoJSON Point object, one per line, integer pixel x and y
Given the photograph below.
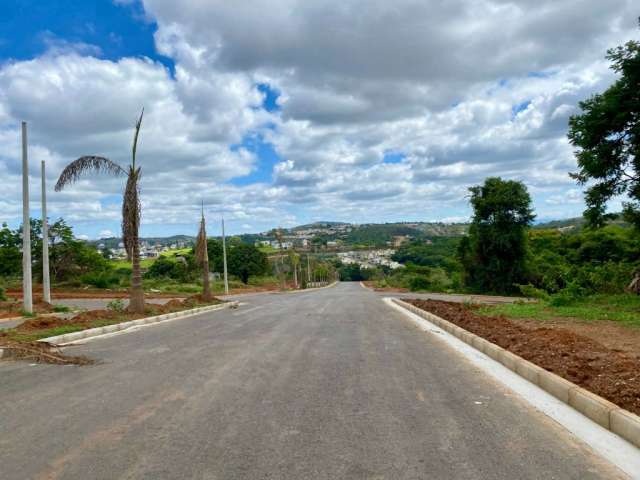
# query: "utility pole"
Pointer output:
{"type": "Point", "coordinates": [46, 285]}
{"type": "Point", "coordinates": [224, 260]}
{"type": "Point", "coordinates": [308, 269]}
{"type": "Point", "coordinates": [26, 228]}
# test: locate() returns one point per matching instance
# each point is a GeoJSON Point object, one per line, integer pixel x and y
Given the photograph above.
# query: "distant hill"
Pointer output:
{"type": "Point", "coordinates": [363, 234]}
{"type": "Point", "coordinates": [319, 224]}
{"type": "Point", "coordinates": [577, 223]}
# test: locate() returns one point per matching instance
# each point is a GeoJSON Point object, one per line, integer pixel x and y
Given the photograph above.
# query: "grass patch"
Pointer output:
{"type": "Point", "coordinates": [622, 308]}
{"type": "Point", "coordinates": [61, 308]}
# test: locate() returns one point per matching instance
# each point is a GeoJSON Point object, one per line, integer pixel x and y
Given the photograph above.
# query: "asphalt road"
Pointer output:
{"type": "Point", "coordinates": [331, 384]}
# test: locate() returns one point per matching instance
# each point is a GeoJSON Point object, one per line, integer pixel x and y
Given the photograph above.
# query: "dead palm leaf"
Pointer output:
{"type": "Point", "coordinates": [83, 165]}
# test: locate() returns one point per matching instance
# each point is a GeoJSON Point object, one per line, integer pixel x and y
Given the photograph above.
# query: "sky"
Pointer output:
{"type": "Point", "coordinates": [284, 112]}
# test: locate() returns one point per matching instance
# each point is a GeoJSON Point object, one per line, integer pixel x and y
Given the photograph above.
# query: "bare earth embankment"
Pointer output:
{"type": "Point", "coordinates": [602, 367]}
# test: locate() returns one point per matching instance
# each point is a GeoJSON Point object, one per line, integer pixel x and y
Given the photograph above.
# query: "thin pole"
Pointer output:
{"type": "Point", "coordinates": [46, 286]}
{"type": "Point", "coordinates": [26, 228]}
{"type": "Point", "coordinates": [308, 269]}
{"type": "Point", "coordinates": [224, 260]}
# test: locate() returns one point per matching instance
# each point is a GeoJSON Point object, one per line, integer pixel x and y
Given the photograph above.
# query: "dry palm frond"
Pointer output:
{"type": "Point", "coordinates": [135, 139]}
{"type": "Point", "coordinates": [77, 168]}
{"type": "Point", "coordinates": [131, 212]}
{"type": "Point", "coordinates": [202, 255]}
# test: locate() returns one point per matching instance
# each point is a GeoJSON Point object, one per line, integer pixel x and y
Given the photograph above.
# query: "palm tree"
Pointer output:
{"type": "Point", "coordinates": [202, 257]}
{"type": "Point", "coordinates": [130, 207]}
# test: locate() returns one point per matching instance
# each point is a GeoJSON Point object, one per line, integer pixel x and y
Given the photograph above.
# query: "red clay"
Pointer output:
{"type": "Point", "coordinates": [605, 371]}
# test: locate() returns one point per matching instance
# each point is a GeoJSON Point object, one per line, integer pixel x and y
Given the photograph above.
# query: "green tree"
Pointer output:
{"type": "Point", "coordinates": [214, 249]}
{"type": "Point", "coordinates": [245, 260]}
{"type": "Point", "coordinates": [10, 253]}
{"type": "Point", "coordinates": [606, 135]}
{"type": "Point", "coordinates": [494, 257]}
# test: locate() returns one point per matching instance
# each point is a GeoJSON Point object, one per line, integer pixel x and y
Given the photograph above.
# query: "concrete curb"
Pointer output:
{"type": "Point", "coordinates": [94, 332]}
{"type": "Point", "coordinates": [601, 411]}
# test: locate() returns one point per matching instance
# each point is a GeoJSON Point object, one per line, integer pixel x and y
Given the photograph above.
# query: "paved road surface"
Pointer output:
{"type": "Point", "coordinates": [331, 384]}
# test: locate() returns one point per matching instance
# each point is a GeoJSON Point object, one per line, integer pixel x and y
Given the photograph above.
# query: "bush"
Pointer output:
{"type": "Point", "coordinates": [419, 283]}
{"type": "Point", "coordinates": [530, 291]}
{"type": "Point", "coordinates": [164, 267]}
{"type": "Point", "coordinates": [568, 296]}
{"type": "Point", "coordinates": [3, 294]}
{"type": "Point", "coordinates": [116, 305]}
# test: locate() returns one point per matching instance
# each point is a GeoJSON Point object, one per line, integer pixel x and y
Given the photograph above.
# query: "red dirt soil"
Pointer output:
{"type": "Point", "coordinates": [609, 372]}
{"type": "Point", "coordinates": [91, 316]}
{"type": "Point", "coordinates": [13, 308]}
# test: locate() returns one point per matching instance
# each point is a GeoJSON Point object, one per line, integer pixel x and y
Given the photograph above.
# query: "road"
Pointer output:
{"type": "Point", "coordinates": [329, 384]}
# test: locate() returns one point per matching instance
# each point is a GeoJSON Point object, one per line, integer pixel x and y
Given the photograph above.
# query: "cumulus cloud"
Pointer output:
{"type": "Point", "coordinates": [459, 90]}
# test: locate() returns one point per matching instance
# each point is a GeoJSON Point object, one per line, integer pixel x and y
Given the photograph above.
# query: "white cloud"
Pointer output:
{"type": "Point", "coordinates": [462, 89]}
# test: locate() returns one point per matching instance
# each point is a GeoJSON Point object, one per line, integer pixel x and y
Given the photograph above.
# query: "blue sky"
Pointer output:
{"type": "Point", "coordinates": [252, 108]}
{"type": "Point", "coordinates": [28, 27]}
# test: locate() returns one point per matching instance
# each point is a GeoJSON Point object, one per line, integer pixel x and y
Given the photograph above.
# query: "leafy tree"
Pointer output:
{"type": "Point", "coordinates": [245, 260]}
{"type": "Point", "coordinates": [130, 207]}
{"type": "Point", "coordinates": [437, 252]}
{"type": "Point", "coordinates": [352, 273]}
{"type": "Point", "coordinates": [10, 253]}
{"type": "Point", "coordinates": [607, 137]}
{"type": "Point", "coordinates": [165, 267]}
{"type": "Point", "coordinates": [214, 250]}
{"type": "Point", "coordinates": [494, 257]}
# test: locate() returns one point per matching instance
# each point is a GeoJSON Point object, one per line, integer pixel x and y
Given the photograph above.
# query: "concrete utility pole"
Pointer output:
{"type": "Point", "coordinates": [224, 260]}
{"type": "Point", "coordinates": [26, 228]}
{"type": "Point", "coordinates": [46, 286]}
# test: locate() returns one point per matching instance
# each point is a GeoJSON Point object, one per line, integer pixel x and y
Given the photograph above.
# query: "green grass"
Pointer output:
{"type": "Point", "coordinates": [622, 308]}
{"type": "Point", "coordinates": [61, 308]}
{"type": "Point", "coordinates": [144, 263]}
{"type": "Point", "coordinates": [175, 252]}
{"type": "Point", "coordinates": [269, 250]}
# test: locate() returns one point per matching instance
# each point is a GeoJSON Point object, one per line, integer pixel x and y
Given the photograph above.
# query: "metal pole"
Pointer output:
{"type": "Point", "coordinates": [224, 260]}
{"type": "Point", "coordinates": [308, 269]}
{"type": "Point", "coordinates": [46, 286]}
{"type": "Point", "coordinates": [26, 228]}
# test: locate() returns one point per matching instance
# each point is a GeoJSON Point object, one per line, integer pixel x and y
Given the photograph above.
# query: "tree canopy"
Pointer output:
{"type": "Point", "coordinates": [606, 135]}
{"type": "Point", "coordinates": [244, 260]}
{"type": "Point", "coordinates": [494, 255]}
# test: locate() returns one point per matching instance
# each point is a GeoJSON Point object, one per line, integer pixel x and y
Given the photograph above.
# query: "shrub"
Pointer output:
{"type": "Point", "coordinates": [568, 296]}
{"type": "Point", "coordinates": [116, 305]}
{"type": "Point", "coordinates": [164, 267]}
{"type": "Point", "coordinates": [419, 283]}
{"type": "Point", "coordinates": [530, 291]}
{"type": "Point", "coordinates": [3, 294]}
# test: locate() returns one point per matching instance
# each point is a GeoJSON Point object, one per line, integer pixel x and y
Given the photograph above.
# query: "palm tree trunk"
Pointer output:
{"type": "Point", "coordinates": [206, 286]}
{"type": "Point", "coordinates": [295, 275]}
{"type": "Point", "coordinates": [136, 294]}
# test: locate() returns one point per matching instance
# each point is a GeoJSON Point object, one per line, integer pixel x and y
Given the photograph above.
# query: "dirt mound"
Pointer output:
{"type": "Point", "coordinates": [41, 352]}
{"type": "Point", "coordinates": [13, 308]}
{"type": "Point", "coordinates": [607, 372]}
